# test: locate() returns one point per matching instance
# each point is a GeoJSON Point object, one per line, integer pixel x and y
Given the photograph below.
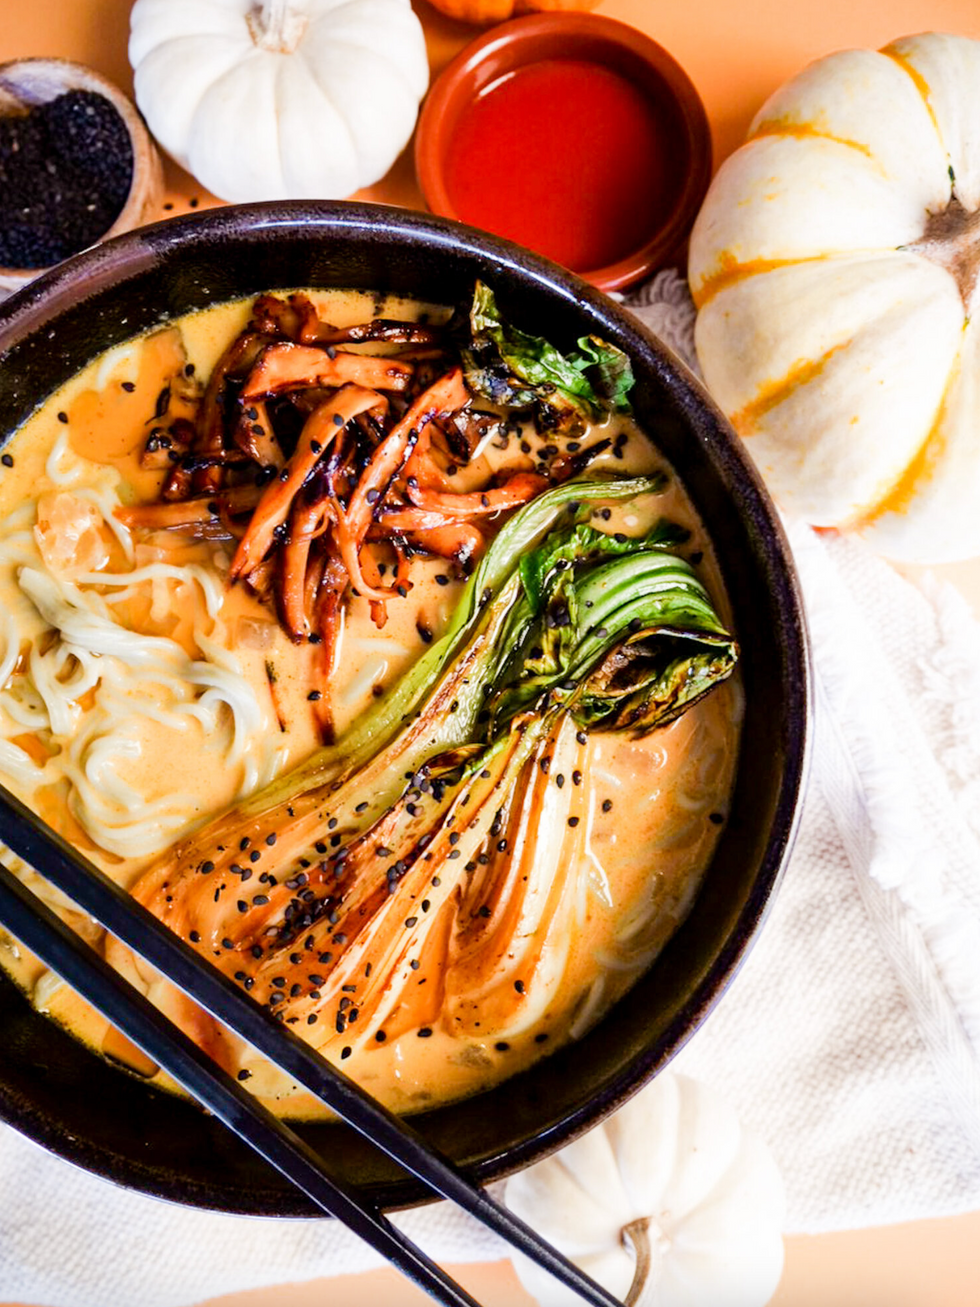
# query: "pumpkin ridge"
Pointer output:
{"type": "Point", "coordinates": [807, 131]}
{"type": "Point", "coordinates": [801, 374]}
{"type": "Point", "coordinates": [900, 495]}
{"type": "Point", "coordinates": [918, 81]}
{"type": "Point", "coordinates": [731, 272]}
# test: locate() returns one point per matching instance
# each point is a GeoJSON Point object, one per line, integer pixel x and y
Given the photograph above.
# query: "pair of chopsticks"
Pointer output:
{"type": "Point", "coordinates": [65, 953]}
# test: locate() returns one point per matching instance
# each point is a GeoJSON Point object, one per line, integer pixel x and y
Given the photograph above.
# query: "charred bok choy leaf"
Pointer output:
{"type": "Point", "coordinates": [441, 797]}
{"type": "Point", "coordinates": [510, 367]}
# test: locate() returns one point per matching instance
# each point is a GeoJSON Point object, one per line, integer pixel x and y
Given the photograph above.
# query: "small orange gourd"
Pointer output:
{"type": "Point", "coordinates": [485, 12]}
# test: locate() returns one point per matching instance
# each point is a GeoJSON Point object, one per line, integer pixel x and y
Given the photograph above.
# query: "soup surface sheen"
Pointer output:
{"type": "Point", "coordinates": [140, 694]}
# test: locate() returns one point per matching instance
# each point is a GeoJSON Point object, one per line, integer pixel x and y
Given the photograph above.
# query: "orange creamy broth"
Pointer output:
{"type": "Point", "coordinates": [639, 872]}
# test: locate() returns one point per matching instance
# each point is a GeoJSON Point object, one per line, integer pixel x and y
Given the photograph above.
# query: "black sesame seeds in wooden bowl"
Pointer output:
{"type": "Point", "coordinates": [76, 165]}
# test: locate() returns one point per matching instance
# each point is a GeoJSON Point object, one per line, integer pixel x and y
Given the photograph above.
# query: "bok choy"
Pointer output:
{"type": "Point", "coordinates": [511, 367]}
{"type": "Point", "coordinates": [438, 842]}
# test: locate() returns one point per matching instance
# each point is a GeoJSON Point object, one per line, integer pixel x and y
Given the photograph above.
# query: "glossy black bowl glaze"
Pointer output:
{"type": "Point", "coordinates": [112, 1123]}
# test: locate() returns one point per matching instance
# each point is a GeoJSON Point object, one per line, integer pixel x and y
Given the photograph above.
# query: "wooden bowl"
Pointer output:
{"type": "Point", "coordinates": [25, 83]}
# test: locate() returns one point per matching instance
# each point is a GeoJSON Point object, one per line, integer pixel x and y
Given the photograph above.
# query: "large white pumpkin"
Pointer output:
{"type": "Point", "coordinates": [835, 268]}
{"type": "Point", "coordinates": [279, 99]}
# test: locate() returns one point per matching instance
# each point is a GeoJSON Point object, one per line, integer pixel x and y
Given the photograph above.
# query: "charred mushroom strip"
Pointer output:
{"type": "Point", "coordinates": [516, 490]}
{"type": "Point", "coordinates": [444, 396]}
{"type": "Point", "coordinates": [286, 366]}
{"type": "Point", "coordinates": [320, 429]}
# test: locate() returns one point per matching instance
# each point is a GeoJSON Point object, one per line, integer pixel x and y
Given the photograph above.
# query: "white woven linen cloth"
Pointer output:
{"type": "Point", "coordinates": [849, 1041]}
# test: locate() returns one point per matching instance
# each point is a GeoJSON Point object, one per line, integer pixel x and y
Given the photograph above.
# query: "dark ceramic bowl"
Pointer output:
{"type": "Point", "coordinates": [106, 1120]}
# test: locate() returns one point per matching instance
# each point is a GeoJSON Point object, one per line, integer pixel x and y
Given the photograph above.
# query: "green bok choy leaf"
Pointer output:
{"type": "Point", "coordinates": [510, 367]}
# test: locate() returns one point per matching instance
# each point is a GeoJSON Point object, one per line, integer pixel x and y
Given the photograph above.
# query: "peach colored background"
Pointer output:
{"type": "Point", "coordinates": [736, 53]}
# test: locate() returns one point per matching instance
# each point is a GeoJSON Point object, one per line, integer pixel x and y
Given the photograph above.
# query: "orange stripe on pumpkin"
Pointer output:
{"type": "Point", "coordinates": [917, 472]}
{"type": "Point", "coordinates": [806, 131]}
{"type": "Point", "coordinates": [918, 81]}
{"type": "Point", "coordinates": [746, 420]}
{"type": "Point", "coordinates": [728, 272]}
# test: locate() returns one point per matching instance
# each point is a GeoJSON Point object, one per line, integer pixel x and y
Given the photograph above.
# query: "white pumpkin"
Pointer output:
{"type": "Point", "coordinates": [280, 99]}
{"type": "Point", "coordinates": [834, 264]}
{"type": "Point", "coordinates": [669, 1203]}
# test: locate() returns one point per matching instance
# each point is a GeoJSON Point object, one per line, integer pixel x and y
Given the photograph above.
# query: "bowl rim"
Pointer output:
{"type": "Point", "coordinates": [513, 44]}
{"type": "Point", "coordinates": [109, 265]}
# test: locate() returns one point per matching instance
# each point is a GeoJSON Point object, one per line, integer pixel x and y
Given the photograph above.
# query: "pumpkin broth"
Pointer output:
{"type": "Point", "coordinates": [190, 697]}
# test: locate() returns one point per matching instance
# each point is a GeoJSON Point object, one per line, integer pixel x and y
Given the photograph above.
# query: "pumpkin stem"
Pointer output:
{"type": "Point", "coordinates": [952, 239]}
{"type": "Point", "coordinates": [277, 25]}
{"type": "Point", "coordinates": [648, 1255]}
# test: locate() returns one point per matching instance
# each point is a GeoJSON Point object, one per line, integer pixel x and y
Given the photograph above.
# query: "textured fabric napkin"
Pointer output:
{"type": "Point", "coordinates": [849, 1041]}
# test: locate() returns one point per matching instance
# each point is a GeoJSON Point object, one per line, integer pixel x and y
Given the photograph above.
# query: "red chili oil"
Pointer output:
{"type": "Point", "coordinates": [565, 157]}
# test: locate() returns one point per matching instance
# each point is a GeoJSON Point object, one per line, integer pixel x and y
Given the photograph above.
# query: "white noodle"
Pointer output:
{"type": "Point", "coordinates": [91, 683]}
{"type": "Point", "coordinates": [19, 766]}
{"type": "Point", "coordinates": [11, 645]}
{"type": "Point", "coordinates": [62, 467]}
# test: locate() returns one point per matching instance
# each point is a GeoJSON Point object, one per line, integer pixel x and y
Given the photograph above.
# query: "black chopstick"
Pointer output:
{"type": "Point", "coordinates": [58, 947]}
{"type": "Point", "coordinates": [98, 895]}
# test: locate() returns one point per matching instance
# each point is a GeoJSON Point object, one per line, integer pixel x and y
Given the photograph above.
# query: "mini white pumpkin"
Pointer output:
{"type": "Point", "coordinates": [835, 264]}
{"type": "Point", "coordinates": [279, 99]}
{"type": "Point", "coordinates": [669, 1203]}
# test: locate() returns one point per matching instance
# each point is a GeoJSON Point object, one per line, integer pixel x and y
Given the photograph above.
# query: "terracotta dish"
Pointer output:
{"type": "Point", "coordinates": [574, 135]}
